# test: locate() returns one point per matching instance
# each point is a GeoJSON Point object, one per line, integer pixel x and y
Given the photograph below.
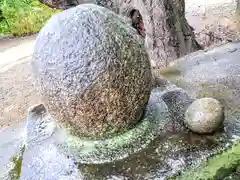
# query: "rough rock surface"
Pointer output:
{"type": "Point", "coordinates": [214, 73]}
{"type": "Point", "coordinates": [177, 101]}
{"type": "Point", "coordinates": [168, 34]}
{"type": "Point", "coordinates": [204, 115]}
{"type": "Point", "coordinates": [93, 71]}
{"type": "Point", "coordinates": [167, 155]}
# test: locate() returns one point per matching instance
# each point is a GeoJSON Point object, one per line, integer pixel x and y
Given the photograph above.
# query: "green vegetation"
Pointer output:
{"type": "Point", "coordinates": [217, 167]}
{"type": "Point", "coordinates": [22, 17]}
{"type": "Point", "coordinates": [15, 172]}
{"type": "Point", "coordinates": [168, 72]}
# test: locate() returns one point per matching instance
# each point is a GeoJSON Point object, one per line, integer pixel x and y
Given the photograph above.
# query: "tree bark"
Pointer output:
{"type": "Point", "coordinates": [168, 34]}
{"type": "Point", "coordinates": [238, 7]}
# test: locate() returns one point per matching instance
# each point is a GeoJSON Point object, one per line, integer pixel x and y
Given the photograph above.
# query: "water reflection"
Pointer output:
{"type": "Point", "coordinates": [163, 157]}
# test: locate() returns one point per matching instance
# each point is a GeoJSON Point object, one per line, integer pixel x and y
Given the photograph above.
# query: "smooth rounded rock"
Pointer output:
{"type": "Point", "coordinates": [204, 115]}
{"type": "Point", "coordinates": [93, 71]}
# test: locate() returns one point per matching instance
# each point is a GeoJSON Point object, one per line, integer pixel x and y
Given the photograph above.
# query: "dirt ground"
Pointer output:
{"type": "Point", "coordinates": [7, 43]}
{"type": "Point", "coordinates": [214, 21]}
{"type": "Point", "coordinates": [17, 91]}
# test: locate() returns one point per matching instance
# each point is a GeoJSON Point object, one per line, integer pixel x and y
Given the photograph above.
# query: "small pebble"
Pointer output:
{"type": "Point", "coordinates": [204, 115]}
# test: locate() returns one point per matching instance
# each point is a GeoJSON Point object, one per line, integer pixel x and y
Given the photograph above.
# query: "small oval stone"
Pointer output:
{"type": "Point", "coordinates": [204, 115]}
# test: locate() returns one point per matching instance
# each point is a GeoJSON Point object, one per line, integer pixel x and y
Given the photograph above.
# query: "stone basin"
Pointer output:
{"type": "Point", "coordinates": [36, 149]}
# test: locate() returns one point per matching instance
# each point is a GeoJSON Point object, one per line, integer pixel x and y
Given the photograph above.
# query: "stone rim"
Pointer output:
{"type": "Point", "coordinates": [87, 151]}
{"type": "Point", "coordinates": [114, 148]}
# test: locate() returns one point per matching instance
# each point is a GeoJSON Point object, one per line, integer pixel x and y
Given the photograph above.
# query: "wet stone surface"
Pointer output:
{"type": "Point", "coordinates": [172, 149]}
{"type": "Point", "coordinates": [11, 143]}
{"type": "Point", "coordinates": [214, 73]}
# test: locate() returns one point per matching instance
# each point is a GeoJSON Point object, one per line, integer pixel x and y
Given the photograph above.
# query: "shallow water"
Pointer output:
{"type": "Point", "coordinates": [163, 157]}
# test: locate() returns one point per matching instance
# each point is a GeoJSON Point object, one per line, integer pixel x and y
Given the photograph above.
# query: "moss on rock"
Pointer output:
{"type": "Point", "coordinates": [16, 166]}
{"type": "Point", "coordinates": [217, 167]}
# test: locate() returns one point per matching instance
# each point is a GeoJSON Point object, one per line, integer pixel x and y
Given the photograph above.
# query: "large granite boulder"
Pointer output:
{"type": "Point", "coordinates": [213, 73]}
{"type": "Point", "coordinates": [93, 71]}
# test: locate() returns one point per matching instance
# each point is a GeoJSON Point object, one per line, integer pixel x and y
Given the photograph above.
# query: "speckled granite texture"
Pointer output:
{"type": "Point", "coordinates": [93, 71]}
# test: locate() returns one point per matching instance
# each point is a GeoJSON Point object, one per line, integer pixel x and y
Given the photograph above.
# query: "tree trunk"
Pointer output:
{"type": "Point", "coordinates": [168, 34]}
{"type": "Point", "coordinates": [238, 7]}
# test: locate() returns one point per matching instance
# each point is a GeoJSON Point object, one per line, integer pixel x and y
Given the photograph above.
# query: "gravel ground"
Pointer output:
{"type": "Point", "coordinates": [17, 92]}
{"type": "Point", "coordinates": [214, 21]}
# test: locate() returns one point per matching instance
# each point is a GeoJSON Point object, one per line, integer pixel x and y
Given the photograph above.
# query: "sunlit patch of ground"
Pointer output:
{"type": "Point", "coordinates": [214, 21]}
{"type": "Point", "coordinates": [17, 91]}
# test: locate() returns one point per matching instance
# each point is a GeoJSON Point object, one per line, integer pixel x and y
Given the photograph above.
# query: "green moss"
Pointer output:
{"type": "Point", "coordinates": [168, 72]}
{"type": "Point", "coordinates": [17, 161]}
{"type": "Point", "coordinates": [217, 167]}
{"type": "Point", "coordinates": [215, 90]}
{"type": "Point", "coordinates": [21, 17]}
{"type": "Point", "coordinates": [116, 147]}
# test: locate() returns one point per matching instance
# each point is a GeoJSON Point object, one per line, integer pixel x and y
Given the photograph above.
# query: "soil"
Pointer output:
{"type": "Point", "coordinates": [17, 92]}
{"type": "Point", "coordinates": [214, 21]}
{"type": "Point", "coordinates": [10, 42]}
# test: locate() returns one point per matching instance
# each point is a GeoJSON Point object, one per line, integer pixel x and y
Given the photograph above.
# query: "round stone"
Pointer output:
{"type": "Point", "coordinates": [92, 71]}
{"type": "Point", "coordinates": [204, 115]}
